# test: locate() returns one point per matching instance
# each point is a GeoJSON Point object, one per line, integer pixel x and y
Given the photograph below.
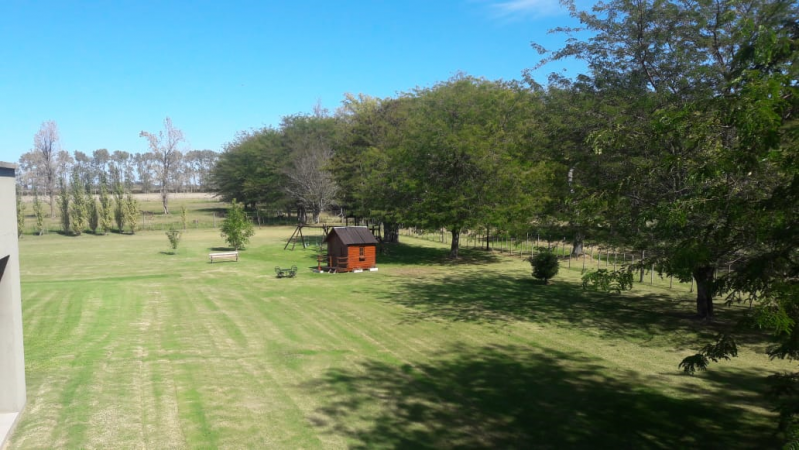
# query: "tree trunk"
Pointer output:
{"type": "Point", "coordinates": [456, 237]}
{"type": "Point", "coordinates": [704, 291]}
{"type": "Point", "coordinates": [488, 238]}
{"type": "Point", "coordinates": [390, 232]}
{"type": "Point", "coordinates": [165, 200]}
{"type": "Point", "coordinates": [577, 244]}
{"type": "Point", "coordinates": [641, 277]}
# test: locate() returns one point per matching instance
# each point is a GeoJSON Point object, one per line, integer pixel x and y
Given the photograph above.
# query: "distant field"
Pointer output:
{"type": "Point", "coordinates": [201, 209]}
{"type": "Point", "coordinates": [128, 346]}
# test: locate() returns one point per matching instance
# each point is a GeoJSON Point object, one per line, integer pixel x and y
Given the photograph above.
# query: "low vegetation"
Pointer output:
{"type": "Point", "coordinates": [608, 281]}
{"type": "Point", "coordinates": [545, 265]}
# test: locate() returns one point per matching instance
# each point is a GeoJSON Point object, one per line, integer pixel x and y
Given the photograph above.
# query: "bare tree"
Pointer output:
{"type": "Point", "coordinates": [46, 145]}
{"type": "Point", "coordinates": [164, 147]}
{"type": "Point", "coordinates": [310, 181]}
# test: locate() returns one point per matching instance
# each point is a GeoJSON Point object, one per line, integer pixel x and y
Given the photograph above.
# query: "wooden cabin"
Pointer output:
{"type": "Point", "coordinates": [351, 248]}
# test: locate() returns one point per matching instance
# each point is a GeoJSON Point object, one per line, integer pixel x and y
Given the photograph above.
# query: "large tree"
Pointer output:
{"type": "Point", "coordinates": [309, 141]}
{"type": "Point", "coordinates": [464, 160]}
{"type": "Point", "coordinates": [165, 147]}
{"type": "Point", "coordinates": [250, 169]}
{"type": "Point", "coordinates": [672, 157]}
{"type": "Point", "coordinates": [705, 153]}
{"type": "Point", "coordinates": [369, 126]}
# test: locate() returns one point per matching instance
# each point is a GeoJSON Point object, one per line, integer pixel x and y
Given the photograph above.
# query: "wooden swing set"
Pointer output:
{"type": "Point", "coordinates": [298, 234]}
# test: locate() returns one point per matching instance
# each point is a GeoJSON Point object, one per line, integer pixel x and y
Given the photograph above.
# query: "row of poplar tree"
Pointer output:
{"type": "Point", "coordinates": [113, 208]}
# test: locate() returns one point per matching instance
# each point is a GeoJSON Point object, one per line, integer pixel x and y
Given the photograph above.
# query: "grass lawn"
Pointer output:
{"type": "Point", "coordinates": [128, 347]}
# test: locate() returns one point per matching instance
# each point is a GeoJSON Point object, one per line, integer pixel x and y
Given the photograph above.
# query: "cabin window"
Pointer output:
{"type": "Point", "coordinates": [361, 255]}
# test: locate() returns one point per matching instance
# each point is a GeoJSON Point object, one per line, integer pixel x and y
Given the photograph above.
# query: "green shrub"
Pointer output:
{"type": "Point", "coordinates": [132, 212]}
{"type": "Point", "coordinates": [236, 228]}
{"type": "Point", "coordinates": [63, 206]}
{"type": "Point", "coordinates": [38, 213]}
{"type": "Point", "coordinates": [20, 215]}
{"type": "Point", "coordinates": [184, 217]}
{"type": "Point", "coordinates": [545, 265]}
{"type": "Point", "coordinates": [614, 281]}
{"type": "Point", "coordinates": [174, 237]}
{"type": "Point", "coordinates": [94, 216]}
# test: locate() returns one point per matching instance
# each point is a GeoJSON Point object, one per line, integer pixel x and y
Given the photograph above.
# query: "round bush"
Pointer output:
{"type": "Point", "coordinates": [545, 265]}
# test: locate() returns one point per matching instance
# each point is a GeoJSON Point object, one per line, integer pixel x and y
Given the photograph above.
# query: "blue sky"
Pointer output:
{"type": "Point", "coordinates": [106, 70]}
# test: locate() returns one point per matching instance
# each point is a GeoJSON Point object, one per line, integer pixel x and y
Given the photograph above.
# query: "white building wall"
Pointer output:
{"type": "Point", "coordinates": [12, 360]}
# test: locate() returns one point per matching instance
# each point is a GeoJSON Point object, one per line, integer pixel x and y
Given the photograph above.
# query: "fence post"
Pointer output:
{"type": "Point", "coordinates": [643, 256]}
{"type": "Point", "coordinates": [582, 271]}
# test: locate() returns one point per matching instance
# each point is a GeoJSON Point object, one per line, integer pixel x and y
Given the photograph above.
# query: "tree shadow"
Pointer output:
{"type": "Point", "coordinates": [514, 398]}
{"type": "Point", "coordinates": [219, 209]}
{"type": "Point", "coordinates": [751, 386]}
{"type": "Point", "coordinates": [404, 254]}
{"type": "Point", "coordinates": [481, 297]}
{"type": "Point", "coordinates": [222, 249]}
{"type": "Point", "coordinates": [411, 255]}
{"type": "Point", "coordinates": [66, 234]}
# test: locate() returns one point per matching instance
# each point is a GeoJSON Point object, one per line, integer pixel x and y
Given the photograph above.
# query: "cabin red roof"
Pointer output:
{"type": "Point", "coordinates": [352, 235]}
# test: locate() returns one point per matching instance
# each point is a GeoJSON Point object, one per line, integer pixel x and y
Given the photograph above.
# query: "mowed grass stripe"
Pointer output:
{"type": "Point", "coordinates": [210, 405]}
{"type": "Point", "coordinates": [100, 341]}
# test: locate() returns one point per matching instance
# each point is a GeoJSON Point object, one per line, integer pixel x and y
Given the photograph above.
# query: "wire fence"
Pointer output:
{"type": "Point", "coordinates": [595, 256]}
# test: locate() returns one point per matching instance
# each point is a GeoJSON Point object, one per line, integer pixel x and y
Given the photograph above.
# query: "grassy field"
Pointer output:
{"type": "Point", "coordinates": [128, 346]}
{"type": "Point", "coordinates": [201, 208]}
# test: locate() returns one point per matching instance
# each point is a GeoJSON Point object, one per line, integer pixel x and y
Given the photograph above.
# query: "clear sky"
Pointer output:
{"type": "Point", "coordinates": [105, 70]}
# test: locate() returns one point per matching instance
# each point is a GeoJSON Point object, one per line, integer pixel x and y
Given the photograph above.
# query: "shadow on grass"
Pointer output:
{"type": "Point", "coordinates": [220, 210]}
{"type": "Point", "coordinates": [493, 297]}
{"type": "Point", "coordinates": [412, 255]}
{"type": "Point", "coordinates": [749, 387]}
{"type": "Point", "coordinates": [415, 255]}
{"type": "Point", "coordinates": [221, 249]}
{"type": "Point", "coordinates": [507, 397]}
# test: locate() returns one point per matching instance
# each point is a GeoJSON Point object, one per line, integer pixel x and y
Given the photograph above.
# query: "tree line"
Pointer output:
{"type": "Point", "coordinates": [166, 167]}
{"type": "Point", "coordinates": [680, 141]}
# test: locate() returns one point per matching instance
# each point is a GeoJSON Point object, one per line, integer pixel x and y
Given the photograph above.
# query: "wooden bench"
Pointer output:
{"type": "Point", "coordinates": [286, 273]}
{"type": "Point", "coordinates": [224, 256]}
